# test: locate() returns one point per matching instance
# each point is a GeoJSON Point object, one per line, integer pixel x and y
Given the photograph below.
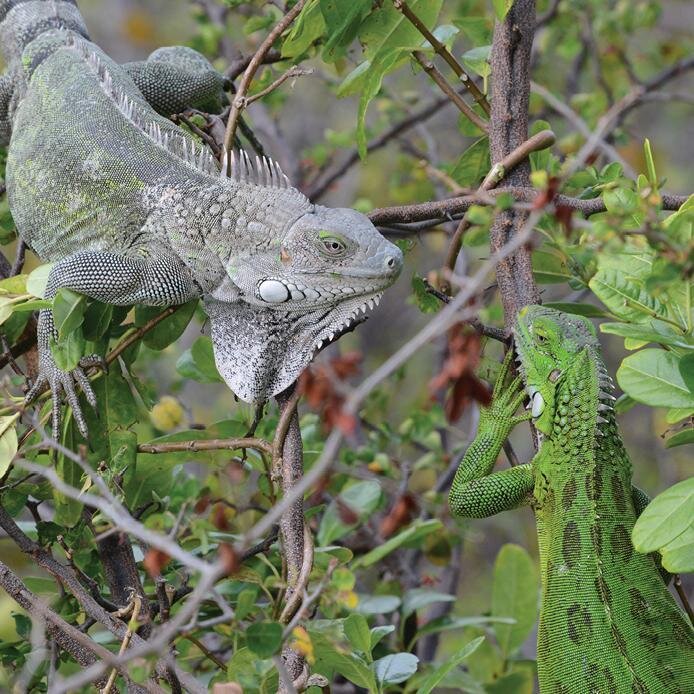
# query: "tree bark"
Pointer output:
{"type": "Point", "coordinates": [508, 128]}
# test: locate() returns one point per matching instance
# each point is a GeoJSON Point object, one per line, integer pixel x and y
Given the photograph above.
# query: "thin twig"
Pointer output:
{"type": "Point", "coordinates": [431, 70]}
{"type": "Point", "coordinates": [291, 73]}
{"type": "Point", "coordinates": [239, 102]}
{"type": "Point", "coordinates": [441, 50]}
{"type": "Point", "coordinates": [195, 446]}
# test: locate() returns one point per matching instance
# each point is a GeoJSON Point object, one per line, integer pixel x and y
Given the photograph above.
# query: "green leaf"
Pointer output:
{"type": "Point", "coordinates": [678, 555]}
{"type": "Point", "coordinates": [16, 285]}
{"type": "Point", "coordinates": [379, 67]}
{"type": "Point", "coordinates": [549, 266]}
{"type": "Point", "coordinates": [357, 631]}
{"type": "Point", "coordinates": [438, 675]}
{"type": "Point", "coordinates": [378, 604]}
{"type": "Point", "coordinates": [6, 308]}
{"type": "Point", "coordinates": [68, 352]}
{"type": "Point", "coordinates": [624, 202]}
{"type": "Point", "coordinates": [501, 8]}
{"type": "Point", "coordinates": [425, 301]}
{"type": "Point", "coordinates": [8, 442]}
{"type": "Point", "coordinates": [514, 594]}
{"type": "Point", "coordinates": [68, 511]}
{"type": "Point", "coordinates": [473, 164]}
{"type": "Point", "coordinates": [378, 633]}
{"type": "Point", "coordinates": [38, 279]}
{"type": "Point", "coordinates": [665, 518]}
{"type": "Point", "coordinates": [681, 438]}
{"type": "Point", "coordinates": [579, 309]}
{"type": "Point", "coordinates": [645, 334]}
{"type": "Point", "coordinates": [264, 638]}
{"type": "Point", "coordinates": [416, 531]}
{"type": "Point", "coordinates": [417, 598]}
{"type": "Point", "coordinates": [686, 367]}
{"type": "Point", "coordinates": [395, 668]}
{"type": "Point", "coordinates": [477, 59]}
{"type": "Point", "coordinates": [170, 329]}
{"type": "Point", "coordinates": [650, 164]}
{"type": "Point", "coordinates": [68, 311]}
{"type": "Point", "coordinates": [652, 376]}
{"type": "Point", "coordinates": [677, 414]}
{"type": "Point", "coordinates": [436, 626]}
{"type": "Point", "coordinates": [362, 498]}
{"type": "Point", "coordinates": [308, 27]}
{"type": "Point", "coordinates": [197, 363]}
{"type": "Point", "coordinates": [354, 82]}
{"type": "Point", "coordinates": [624, 297]}
{"type": "Point", "coordinates": [332, 652]}
{"type": "Point", "coordinates": [97, 319]}
{"type": "Point", "coordinates": [342, 20]}
{"type": "Point", "coordinates": [388, 28]}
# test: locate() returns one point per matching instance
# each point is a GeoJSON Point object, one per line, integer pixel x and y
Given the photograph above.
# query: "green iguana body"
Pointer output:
{"type": "Point", "coordinates": [608, 623]}
{"type": "Point", "coordinates": [131, 209]}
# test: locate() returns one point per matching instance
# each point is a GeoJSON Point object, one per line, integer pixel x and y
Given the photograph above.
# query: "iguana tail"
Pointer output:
{"type": "Point", "coordinates": [21, 21]}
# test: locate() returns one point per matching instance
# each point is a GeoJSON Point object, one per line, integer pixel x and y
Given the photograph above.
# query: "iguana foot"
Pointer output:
{"type": "Point", "coordinates": [506, 399]}
{"type": "Point", "coordinates": [62, 384]}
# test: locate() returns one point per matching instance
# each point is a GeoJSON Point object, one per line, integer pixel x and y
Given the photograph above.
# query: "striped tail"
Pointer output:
{"type": "Point", "coordinates": [21, 21]}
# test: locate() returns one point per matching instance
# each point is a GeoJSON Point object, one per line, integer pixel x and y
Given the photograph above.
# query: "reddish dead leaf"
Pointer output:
{"type": "Point", "coordinates": [319, 385]}
{"type": "Point", "coordinates": [230, 560]}
{"type": "Point", "coordinates": [155, 560]}
{"type": "Point", "coordinates": [546, 196]}
{"type": "Point", "coordinates": [219, 517]}
{"type": "Point", "coordinates": [399, 515]}
{"type": "Point", "coordinates": [564, 215]}
{"type": "Point", "coordinates": [429, 581]}
{"type": "Point", "coordinates": [202, 504]}
{"type": "Point", "coordinates": [458, 373]}
{"type": "Point", "coordinates": [236, 472]}
{"type": "Point", "coordinates": [346, 513]}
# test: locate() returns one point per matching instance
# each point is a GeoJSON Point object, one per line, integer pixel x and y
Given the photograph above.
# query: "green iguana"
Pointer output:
{"type": "Point", "coordinates": [131, 209]}
{"type": "Point", "coordinates": [608, 623]}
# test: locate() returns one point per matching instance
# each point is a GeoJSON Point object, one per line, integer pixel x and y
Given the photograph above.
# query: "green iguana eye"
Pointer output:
{"type": "Point", "coordinates": [331, 244]}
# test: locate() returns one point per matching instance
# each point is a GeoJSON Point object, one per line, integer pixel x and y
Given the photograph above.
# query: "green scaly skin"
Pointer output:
{"type": "Point", "coordinates": [607, 622]}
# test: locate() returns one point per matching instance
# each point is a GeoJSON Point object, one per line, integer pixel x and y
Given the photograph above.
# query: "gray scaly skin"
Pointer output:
{"type": "Point", "coordinates": [132, 210]}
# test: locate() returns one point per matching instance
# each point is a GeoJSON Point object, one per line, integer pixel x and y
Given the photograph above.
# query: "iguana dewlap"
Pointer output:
{"type": "Point", "coordinates": [608, 623]}
{"type": "Point", "coordinates": [131, 209]}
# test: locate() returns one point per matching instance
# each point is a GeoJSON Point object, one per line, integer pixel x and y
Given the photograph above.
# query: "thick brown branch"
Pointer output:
{"type": "Point", "coordinates": [444, 209]}
{"type": "Point", "coordinates": [206, 445]}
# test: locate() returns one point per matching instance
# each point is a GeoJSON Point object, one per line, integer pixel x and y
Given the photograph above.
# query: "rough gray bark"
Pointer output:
{"type": "Point", "coordinates": [508, 128]}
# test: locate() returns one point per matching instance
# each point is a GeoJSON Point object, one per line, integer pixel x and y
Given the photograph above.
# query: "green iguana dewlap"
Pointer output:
{"type": "Point", "coordinates": [608, 624]}
{"type": "Point", "coordinates": [131, 209]}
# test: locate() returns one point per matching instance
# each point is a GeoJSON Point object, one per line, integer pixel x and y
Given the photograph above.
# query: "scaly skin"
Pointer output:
{"type": "Point", "coordinates": [607, 621]}
{"type": "Point", "coordinates": [131, 209]}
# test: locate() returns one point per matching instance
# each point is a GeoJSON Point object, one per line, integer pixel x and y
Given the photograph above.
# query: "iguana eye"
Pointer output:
{"type": "Point", "coordinates": [332, 245]}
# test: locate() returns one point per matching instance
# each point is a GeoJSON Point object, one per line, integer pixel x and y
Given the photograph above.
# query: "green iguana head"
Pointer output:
{"type": "Point", "coordinates": [548, 343]}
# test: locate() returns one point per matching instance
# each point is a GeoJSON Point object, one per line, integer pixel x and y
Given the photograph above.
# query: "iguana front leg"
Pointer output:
{"type": "Point", "coordinates": [120, 280]}
{"type": "Point", "coordinates": [175, 78]}
{"type": "Point", "coordinates": [475, 493]}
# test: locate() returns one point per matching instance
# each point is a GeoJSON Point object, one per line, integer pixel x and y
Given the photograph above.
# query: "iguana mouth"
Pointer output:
{"type": "Point", "coordinates": [275, 290]}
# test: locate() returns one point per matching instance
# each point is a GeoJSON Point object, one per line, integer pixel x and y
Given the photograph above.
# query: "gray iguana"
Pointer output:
{"type": "Point", "coordinates": [131, 209]}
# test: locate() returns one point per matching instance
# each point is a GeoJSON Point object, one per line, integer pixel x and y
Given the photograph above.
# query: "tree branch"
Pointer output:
{"type": "Point", "coordinates": [239, 101]}
{"type": "Point", "coordinates": [441, 50]}
{"type": "Point", "coordinates": [443, 209]}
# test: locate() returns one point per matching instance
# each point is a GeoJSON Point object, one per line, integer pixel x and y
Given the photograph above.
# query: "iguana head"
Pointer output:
{"type": "Point", "coordinates": [305, 275]}
{"type": "Point", "coordinates": [548, 344]}
{"type": "Point", "coordinates": [324, 258]}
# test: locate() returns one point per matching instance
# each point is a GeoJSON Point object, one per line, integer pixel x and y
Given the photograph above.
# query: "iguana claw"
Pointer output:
{"type": "Point", "coordinates": [62, 383]}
